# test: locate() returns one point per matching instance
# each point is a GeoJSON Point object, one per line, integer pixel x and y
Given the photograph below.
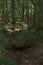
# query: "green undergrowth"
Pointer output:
{"type": "Point", "coordinates": [3, 43]}
{"type": "Point", "coordinates": [7, 61]}
{"type": "Point", "coordinates": [30, 37]}
{"type": "Point", "coordinates": [3, 40]}
{"type": "Point", "coordinates": [33, 38]}
{"type": "Point", "coordinates": [4, 32]}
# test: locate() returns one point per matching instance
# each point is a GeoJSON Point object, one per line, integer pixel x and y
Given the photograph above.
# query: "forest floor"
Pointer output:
{"type": "Point", "coordinates": [29, 56]}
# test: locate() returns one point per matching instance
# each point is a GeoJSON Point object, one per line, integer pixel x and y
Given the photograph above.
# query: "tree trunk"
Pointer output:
{"type": "Point", "coordinates": [13, 12]}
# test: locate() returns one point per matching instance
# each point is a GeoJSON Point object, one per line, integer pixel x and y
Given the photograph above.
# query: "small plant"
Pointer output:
{"type": "Point", "coordinates": [3, 40]}
{"type": "Point", "coordinates": [7, 61]}
{"type": "Point", "coordinates": [28, 37]}
{"type": "Point", "coordinates": [4, 31]}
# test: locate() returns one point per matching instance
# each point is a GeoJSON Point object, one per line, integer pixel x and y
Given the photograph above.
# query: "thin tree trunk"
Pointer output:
{"type": "Point", "coordinates": [27, 14]}
{"type": "Point", "coordinates": [5, 12]}
{"type": "Point", "coordinates": [13, 12]}
{"type": "Point", "coordinates": [22, 12]}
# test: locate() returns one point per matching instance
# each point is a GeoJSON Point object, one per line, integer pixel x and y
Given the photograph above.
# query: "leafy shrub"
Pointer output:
{"type": "Point", "coordinates": [7, 61]}
{"type": "Point", "coordinates": [28, 37]}
{"type": "Point", "coordinates": [3, 40]}
{"type": "Point", "coordinates": [4, 31]}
